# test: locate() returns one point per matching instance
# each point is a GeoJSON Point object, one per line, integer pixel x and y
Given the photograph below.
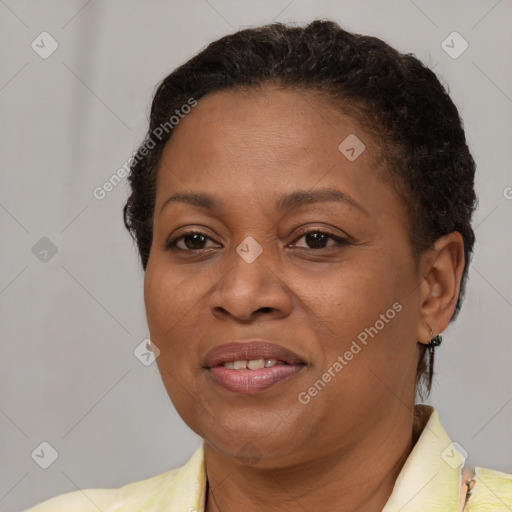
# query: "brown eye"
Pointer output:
{"type": "Point", "coordinates": [195, 240]}
{"type": "Point", "coordinates": [192, 241]}
{"type": "Point", "coordinates": [317, 239]}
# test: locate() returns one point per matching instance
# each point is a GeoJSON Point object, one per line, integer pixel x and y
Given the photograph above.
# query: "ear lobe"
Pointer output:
{"type": "Point", "coordinates": [442, 268]}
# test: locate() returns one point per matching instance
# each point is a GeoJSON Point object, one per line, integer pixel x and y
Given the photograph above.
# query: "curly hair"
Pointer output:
{"type": "Point", "coordinates": [393, 95]}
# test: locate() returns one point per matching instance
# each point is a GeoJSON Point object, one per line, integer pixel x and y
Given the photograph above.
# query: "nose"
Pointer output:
{"type": "Point", "coordinates": [251, 290]}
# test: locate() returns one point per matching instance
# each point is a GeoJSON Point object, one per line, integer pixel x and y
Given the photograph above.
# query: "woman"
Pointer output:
{"type": "Point", "coordinates": [302, 207]}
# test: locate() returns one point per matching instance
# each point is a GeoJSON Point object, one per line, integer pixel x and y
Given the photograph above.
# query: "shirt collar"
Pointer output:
{"type": "Point", "coordinates": [431, 477]}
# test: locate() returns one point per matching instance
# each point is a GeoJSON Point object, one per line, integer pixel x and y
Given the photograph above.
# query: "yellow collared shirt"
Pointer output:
{"type": "Point", "coordinates": [430, 481]}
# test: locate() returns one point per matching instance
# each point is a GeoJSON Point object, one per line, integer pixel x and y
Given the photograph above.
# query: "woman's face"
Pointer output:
{"type": "Point", "coordinates": [345, 304]}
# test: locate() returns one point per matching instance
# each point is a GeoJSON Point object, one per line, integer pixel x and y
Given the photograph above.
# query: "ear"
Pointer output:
{"type": "Point", "coordinates": [441, 268]}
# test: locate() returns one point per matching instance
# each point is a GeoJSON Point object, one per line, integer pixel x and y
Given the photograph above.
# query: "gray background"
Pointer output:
{"type": "Point", "coordinates": [70, 324]}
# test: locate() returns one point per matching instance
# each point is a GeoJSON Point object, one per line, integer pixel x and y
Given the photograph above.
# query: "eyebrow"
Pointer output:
{"type": "Point", "coordinates": [286, 202]}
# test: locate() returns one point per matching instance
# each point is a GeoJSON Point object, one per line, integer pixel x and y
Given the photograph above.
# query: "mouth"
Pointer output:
{"type": "Point", "coordinates": [251, 366]}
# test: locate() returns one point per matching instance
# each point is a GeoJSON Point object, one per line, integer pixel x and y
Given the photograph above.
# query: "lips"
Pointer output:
{"type": "Point", "coordinates": [248, 351]}
{"type": "Point", "coordinates": [281, 365]}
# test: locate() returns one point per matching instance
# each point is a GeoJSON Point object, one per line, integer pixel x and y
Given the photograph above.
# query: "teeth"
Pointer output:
{"type": "Point", "coordinates": [253, 364]}
{"type": "Point", "coordinates": [256, 364]}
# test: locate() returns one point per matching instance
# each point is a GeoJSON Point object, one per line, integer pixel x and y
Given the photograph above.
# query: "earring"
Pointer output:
{"type": "Point", "coordinates": [148, 345]}
{"type": "Point", "coordinates": [434, 341]}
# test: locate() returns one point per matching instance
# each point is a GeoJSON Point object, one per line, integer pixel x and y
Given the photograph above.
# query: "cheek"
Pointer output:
{"type": "Point", "coordinates": [356, 295]}
{"type": "Point", "coordinates": [170, 310]}
{"type": "Point", "coordinates": [176, 304]}
{"type": "Point", "coordinates": [166, 308]}
{"type": "Point", "coordinates": [369, 310]}
{"type": "Point", "coordinates": [159, 303]}
{"type": "Point", "coordinates": [169, 297]}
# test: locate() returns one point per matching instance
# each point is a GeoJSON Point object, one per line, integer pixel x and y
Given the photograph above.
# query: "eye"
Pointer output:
{"type": "Point", "coordinates": [193, 241]}
{"type": "Point", "coordinates": [316, 239]}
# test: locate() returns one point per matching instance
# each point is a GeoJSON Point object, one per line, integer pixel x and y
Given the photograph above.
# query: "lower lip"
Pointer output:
{"type": "Point", "coordinates": [253, 381]}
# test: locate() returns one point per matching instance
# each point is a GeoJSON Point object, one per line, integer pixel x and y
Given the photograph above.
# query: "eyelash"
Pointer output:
{"type": "Point", "coordinates": [171, 244]}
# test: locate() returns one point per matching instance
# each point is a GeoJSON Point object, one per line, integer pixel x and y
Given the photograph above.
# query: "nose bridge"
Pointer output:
{"type": "Point", "coordinates": [251, 283]}
{"type": "Point", "coordinates": [250, 262]}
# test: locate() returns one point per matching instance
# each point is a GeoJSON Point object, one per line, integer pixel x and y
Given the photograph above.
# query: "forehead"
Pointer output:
{"type": "Point", "coordinates": [250, 151]}
{"type": "Point", "coordinates": [257, 129]}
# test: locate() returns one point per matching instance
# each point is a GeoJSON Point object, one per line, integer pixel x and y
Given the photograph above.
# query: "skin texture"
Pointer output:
{"type": "Point", "coordinates": [268, 451]}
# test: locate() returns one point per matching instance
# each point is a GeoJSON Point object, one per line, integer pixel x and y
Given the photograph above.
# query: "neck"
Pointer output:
{"type": "Point", "coordinates": [359, 477]}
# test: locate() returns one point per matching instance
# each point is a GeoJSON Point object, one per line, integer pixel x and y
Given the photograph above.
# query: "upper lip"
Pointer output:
{"type": "Point", "coordinates": [246, 350]}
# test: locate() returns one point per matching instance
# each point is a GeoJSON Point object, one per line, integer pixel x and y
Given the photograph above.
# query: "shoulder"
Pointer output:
{"type": "Point", "coordinates": [92, 500]}
{"type": "Point", "coordinates": [490, 490]}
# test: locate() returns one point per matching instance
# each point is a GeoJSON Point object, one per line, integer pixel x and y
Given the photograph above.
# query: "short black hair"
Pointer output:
{"type": "Point", "coordinates": [394, 96]}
